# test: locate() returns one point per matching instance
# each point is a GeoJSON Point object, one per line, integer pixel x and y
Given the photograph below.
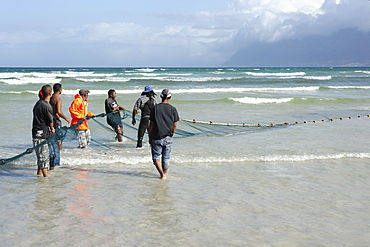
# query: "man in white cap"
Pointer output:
{"type": "Point", "coordinates": [163, 123]}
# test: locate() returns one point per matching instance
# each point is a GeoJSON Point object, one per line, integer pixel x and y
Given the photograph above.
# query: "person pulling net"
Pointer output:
{"type": "Point", "coordinates": [186, 128]}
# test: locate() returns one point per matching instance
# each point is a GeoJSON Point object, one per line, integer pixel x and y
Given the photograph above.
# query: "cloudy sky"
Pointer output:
{"type": "Point", "coordinates": [140, 33]}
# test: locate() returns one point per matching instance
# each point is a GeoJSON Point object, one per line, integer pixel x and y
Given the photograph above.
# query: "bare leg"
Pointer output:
{"type": "Point", "coordinates": [45, 172]}
{"type": "Point", "coordinates": [119, 132]}
{"type": "Point", "coordinates": [60, 145]}
{"type": "Point", "coordinates": [158, 165]}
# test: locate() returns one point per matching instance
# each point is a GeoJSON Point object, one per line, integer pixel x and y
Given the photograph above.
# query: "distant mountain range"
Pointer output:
{"type": "Point", "coordinates": [347, 47]}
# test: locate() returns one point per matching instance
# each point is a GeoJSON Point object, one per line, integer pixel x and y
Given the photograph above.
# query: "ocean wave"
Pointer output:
{"type": "Point", "coordinates": [231, 90]}
{"type": "Point", "coordinates": [249, 100]}
{"type": "Point", "coordinates": [141, 74]}
{"type": "Point", "coordinates": [103, 92]}
{"type": "Point", "coordinates": [145, 160]}
{"type": "Point", "coordinates": [349, 87]}
{"type": "Point", "coordinates": [18, 78]}
{"type": "Point", "coordinates": [273, 158]}
{"type": "Point", "coordinates": [278, 74]}
{"type": "Point", "coordinates": [110, 79]}
{"type": "Point", "coordinates": [189, 90]}
{"type": "Point", "coordinates": [146, 70]}
{"type": "Point", "coordinates": [363, 71]}
{"type": "Point", "coordinates": [318, 78]}
{"type": "Point", "coordinates": [77, 73]}
{"type": "Point", "coordinates": [160, 77]}
{"type": "Point", "coordinates": [31, 80]}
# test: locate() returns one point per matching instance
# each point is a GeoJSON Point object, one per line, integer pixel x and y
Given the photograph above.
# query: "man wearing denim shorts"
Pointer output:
{"type": "Point", "coordinates": [163, 123]}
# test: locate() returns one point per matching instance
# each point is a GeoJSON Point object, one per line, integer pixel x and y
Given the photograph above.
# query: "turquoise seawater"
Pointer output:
{"type": "Point", "coordinates": [302, 184]}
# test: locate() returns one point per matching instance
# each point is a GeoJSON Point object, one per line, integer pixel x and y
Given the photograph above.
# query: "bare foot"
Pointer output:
{"type": "Point", "coordinates": [164, 176]}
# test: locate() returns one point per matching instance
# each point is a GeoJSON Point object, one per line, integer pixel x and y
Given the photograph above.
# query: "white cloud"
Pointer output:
{"type": "Point", "coordinates": [107, 32]}
{"type": "Point", "coordinates": [15, 38]}
{"type": "Point", "coordinates": [175, 44]}
{"type": "Point", "coordinates": [273, 20]}
{"type": "Point", "coordinates": [283, 6]}
{"type": "Point", "coordinates": [202, 38]}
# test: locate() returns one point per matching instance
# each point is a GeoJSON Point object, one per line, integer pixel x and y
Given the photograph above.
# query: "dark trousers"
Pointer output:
{"type": "Point", "coordinates": [144, 123]}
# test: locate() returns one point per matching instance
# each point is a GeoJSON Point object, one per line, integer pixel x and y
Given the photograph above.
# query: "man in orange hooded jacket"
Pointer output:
{"type": "Point", "coordinates": [78, 110]}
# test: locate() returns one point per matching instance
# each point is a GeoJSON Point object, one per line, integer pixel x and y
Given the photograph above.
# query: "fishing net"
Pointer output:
{"type": "Point", "coordinates": [104, 136]}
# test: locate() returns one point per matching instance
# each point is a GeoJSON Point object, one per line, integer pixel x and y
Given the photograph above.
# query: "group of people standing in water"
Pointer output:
{"type": "Point", "coordinates": [159, 119]}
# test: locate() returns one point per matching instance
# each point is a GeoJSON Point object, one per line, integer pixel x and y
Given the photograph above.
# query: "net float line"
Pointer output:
{"type": "Point", "coordinates": [267, 125]}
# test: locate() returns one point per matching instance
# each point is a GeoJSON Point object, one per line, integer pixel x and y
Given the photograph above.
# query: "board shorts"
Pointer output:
{"type": "Point", "coordinates": [116, 126]}
{"type": "Point", "coordinates": [161, 149]}
{"type": "Point", "coordinates": [115, 122]}
{"type": "Point", "coordinates": [84, 138]}
{"type": "Point", "coordinates": [42, 153]}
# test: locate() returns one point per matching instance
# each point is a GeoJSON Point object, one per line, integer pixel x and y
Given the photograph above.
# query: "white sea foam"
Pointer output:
{"type": "Point", "coordinates": [76, 73]}
{"type": "Point", "coordinates": [276, 74]}
{"type": "Point", "coordinates": [109, 79]}
{"type": "Point", "coordinates": [195, 79]}
{"type": "Point", "coordinates": [249, 100]}
{"type": "Point", "coordinates": [102, 92]}
{"type": "Point", "coordinates": [193, 90]}
{"type": "Point", "coordinates": [272, 158]}
{"type": "Point", "coordinates": [318, 78]}
{"type": "Point", "coordinates": [177, 74]}
{"type": "Point", "coordinates": [349, 87]}
{"type": "Point", "coordinates": [48, 78]}
{"type": "Point", "coordinates": [225, 90]}
{"type": "Point", "coordinates": [31, 80]}
{"type": "Point", "coordinates": [362, 71]}
{"type": "Point", "coordinates": [146, 159]}
{"type": "Point", "coordinates": [145, 70]}
{"type": "Point", "coordinates": [151, 75]}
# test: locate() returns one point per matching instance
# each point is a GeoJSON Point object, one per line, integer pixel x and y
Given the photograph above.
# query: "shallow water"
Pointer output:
{"type": "Point", "coordinates": [302, 184]}
{"type": "Point", "coordinates": [309, 203]}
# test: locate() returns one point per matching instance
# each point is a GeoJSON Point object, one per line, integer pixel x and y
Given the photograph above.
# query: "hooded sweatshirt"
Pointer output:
{"type": "Point", "coordinates": [78, 110]}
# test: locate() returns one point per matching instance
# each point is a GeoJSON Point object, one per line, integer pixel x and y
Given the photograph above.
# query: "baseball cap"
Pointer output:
{"type": "Point", "coordinates": [165, 94]}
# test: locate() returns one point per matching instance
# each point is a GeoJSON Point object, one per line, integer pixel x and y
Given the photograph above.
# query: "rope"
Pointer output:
{"type": "Point", "coordinates": [61, 133]}
{"type": "Point", "coordinates": [265, 125]}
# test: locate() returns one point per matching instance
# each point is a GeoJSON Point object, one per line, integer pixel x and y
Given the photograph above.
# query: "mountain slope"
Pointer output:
{"type": "Point", "coordinates": [347, 47]}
